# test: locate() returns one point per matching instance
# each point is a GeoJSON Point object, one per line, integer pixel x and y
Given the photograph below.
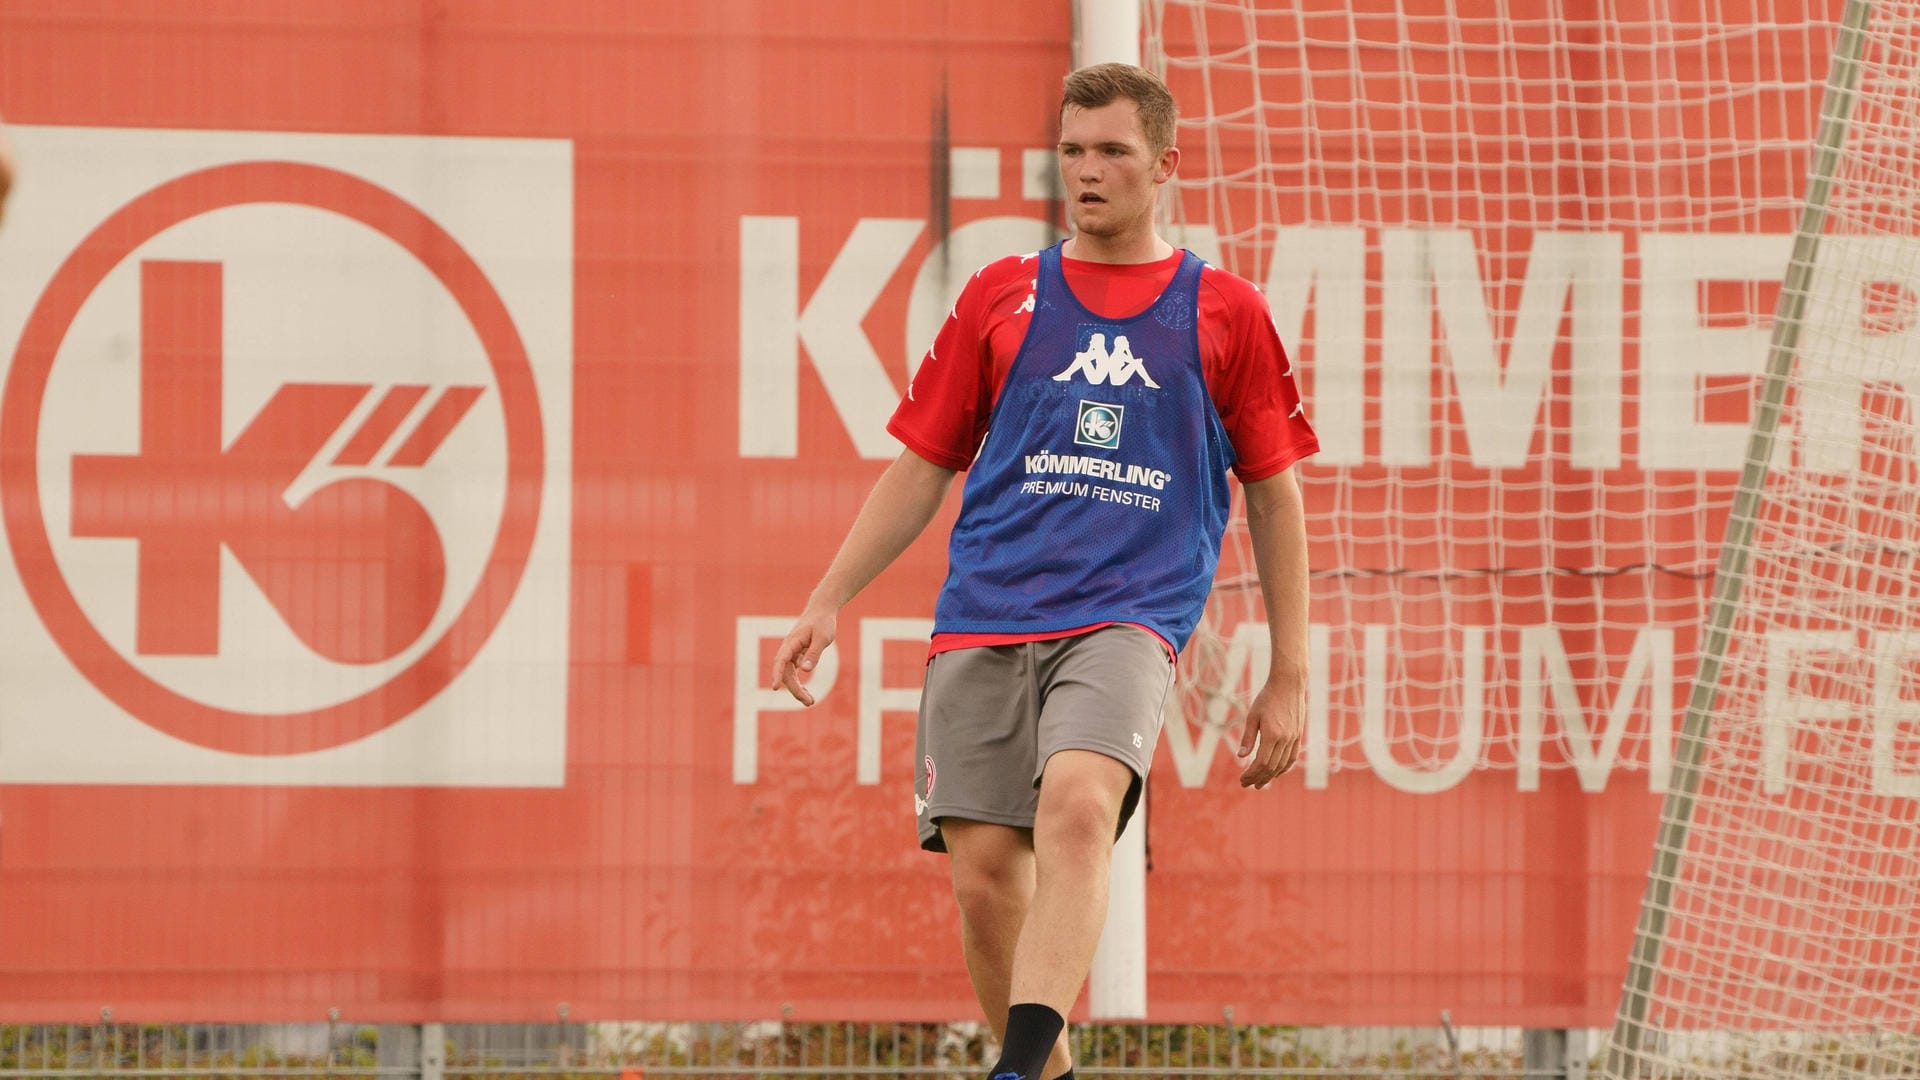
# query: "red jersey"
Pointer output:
{"type": "Point", "coordinates": [1248, 375]}
{"type": "Point", "coordinates": [944, 415]}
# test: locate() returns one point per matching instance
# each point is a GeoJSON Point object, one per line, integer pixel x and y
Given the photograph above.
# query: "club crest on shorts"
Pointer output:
{"type": "Point", "coordinates": [919, 799]}
{"type": "Point", "coordinates": [1098, 424]}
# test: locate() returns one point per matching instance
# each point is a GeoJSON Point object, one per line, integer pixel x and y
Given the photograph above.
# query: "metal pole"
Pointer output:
{"type": "Point", "coordinates": [1543, 1053]}
{"type": "Point", "coordinates": [433, 1051]}
{"type": "Point", "coordinates": [1104, 31]}
{"type": "Point", "coordinates": [398, 1049]}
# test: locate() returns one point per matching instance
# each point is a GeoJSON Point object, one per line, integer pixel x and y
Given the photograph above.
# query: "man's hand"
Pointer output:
{"type": "Point", "coordinates": [903, 500]}
{"type": "Point", "coordinates": [1270, 741]}
{"type": "Point", "coordinates": [800, 651]}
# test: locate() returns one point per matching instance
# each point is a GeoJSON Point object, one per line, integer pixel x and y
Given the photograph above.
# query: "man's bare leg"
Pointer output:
{"type": "Point", "coordinates": [1080, 796]}
{"type": "Point", "coordinates": [993, 881]}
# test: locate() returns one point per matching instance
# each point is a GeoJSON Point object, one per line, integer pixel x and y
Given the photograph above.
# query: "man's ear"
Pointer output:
{"type": "Point", "coordinates": [1163, 169]}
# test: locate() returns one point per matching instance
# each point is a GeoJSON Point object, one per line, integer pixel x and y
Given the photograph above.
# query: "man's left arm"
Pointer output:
{"type": "Point", "coordinates": [1276, 720]}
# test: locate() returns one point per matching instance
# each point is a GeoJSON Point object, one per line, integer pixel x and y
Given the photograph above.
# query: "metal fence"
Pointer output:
{"type": "Point", "coordinates": [776, 1050]}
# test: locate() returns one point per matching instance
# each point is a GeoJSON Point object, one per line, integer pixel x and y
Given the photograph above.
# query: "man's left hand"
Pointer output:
{"type": "Point", "coordinates": [1270, 741]}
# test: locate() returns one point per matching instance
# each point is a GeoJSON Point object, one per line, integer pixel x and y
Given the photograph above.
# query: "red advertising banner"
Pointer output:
{"type": "Point", "coordinates": [419, 427]}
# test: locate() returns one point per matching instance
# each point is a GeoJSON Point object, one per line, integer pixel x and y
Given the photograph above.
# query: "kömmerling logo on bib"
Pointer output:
{"type": "Point", "coordinates": [1099, 425]}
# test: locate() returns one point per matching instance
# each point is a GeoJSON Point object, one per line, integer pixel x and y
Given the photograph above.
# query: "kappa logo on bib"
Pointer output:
{"type": "Point", "coordinates": [285, 429]}
{"type": "Point", "coordinates": [1103, 365]}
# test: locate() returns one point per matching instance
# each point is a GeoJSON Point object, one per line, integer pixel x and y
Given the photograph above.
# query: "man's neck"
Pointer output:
{"type": "Point", "coordinates": [1144, 248]}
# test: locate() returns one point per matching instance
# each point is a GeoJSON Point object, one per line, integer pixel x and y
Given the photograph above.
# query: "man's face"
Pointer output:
{"type": "Point", "coordinates": [1110, 173]}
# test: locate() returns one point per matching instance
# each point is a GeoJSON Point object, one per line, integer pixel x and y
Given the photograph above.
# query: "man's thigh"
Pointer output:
{"type": "Point", "coordinates": [976, 740]}
{"type": "Point", "coordinates": [990, 717]}
{"type": "Point", "coordinates": [1103, 692]}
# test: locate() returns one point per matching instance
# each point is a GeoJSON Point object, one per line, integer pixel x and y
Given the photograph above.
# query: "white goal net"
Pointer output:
{"type": "Point", "coordinates": [1530, 257]}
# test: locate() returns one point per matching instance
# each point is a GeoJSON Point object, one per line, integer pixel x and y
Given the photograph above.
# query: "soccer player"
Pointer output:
{"type": "Point", "coordinates": [1115, 380]}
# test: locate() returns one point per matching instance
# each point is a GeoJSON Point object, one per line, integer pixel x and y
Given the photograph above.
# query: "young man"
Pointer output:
{"type": "Point", "coordinates": [1115, 380]}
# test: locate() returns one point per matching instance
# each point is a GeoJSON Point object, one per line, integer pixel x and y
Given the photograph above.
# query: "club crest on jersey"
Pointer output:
{"type": "Point", "coordinates": [1107, 365]}
{"type": "Point", "coordinates": [1099, 425]}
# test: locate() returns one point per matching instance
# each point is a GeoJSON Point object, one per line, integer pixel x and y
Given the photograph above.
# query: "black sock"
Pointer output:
{"type": "Point", "coordinates": [1032, 1029]}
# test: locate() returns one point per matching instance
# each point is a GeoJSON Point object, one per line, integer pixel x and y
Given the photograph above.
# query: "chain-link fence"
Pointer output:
{"type": "Point", "coordinates": [776, 1050]}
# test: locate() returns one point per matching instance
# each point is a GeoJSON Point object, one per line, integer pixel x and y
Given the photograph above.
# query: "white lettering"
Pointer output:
{"type": "Point", "coordinates": [1104, 468]}
{"type": "Point", "coordinates": [1784, 703]}
{"type": "Point", "coordinates": [1798, 661]}
{"type": "Point", "coordinates": [1428, 280]}
{"type": "Point", "coordinates": [1316, 747]}
{"type": "Point", "coordinates": [1202, 240]}
{"type": "Point", "coordinates": [1406, 348]}
{"type": "Point", "coordinates": [1840, 329]}
{"type": "Point", "coordinates": [1473, 704]}
{"type": "Point", "coordinates": [1891, 711]}
{"type": "Point", "coordinates": [1329, 268]}
{"type": "Point", "coordinates": [1650, 665]}
{"type": "Point", "coordinates": [1126, 498]}
{"type": "Point", "coordinates": [937, 285]}
{"type": "Point", "coordinates": [1501, 405]}
{"type": "Point", "coordinates": [1593, 751]}
{"type": "Point", "coordinates": [773, 327]}
{"type": "Point", "coordinates": [1678, 352]}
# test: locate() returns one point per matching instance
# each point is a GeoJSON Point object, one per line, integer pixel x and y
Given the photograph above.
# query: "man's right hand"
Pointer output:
{"type": "Point", "coordinates": [903, 500]}
{"type": "Point", "coordinates": [800, 652]}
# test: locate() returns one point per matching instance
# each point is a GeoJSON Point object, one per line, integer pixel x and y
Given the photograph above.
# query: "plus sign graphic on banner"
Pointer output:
{"type": "Point", "coordinates": [285, 425]}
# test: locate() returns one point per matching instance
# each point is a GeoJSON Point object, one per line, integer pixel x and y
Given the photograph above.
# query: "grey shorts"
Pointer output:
{"type": "Point", "coordinates": [991, 716]}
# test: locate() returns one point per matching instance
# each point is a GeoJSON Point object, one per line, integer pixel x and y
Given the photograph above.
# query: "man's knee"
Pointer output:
{"type": "Point", "coordinates": [992, 869]}
{"type": "Point", "coordinates": [1081, 793]}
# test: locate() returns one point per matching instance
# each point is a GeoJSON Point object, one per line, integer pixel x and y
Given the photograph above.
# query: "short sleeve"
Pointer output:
{"type": "Point", "coordinates": [943, 416]}
{"type": "Point", "coordinates": [1252, 381]}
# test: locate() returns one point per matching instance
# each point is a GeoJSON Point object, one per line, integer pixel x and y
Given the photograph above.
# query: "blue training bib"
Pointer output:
{"type": "Point", "coordinates": [1100, 493]}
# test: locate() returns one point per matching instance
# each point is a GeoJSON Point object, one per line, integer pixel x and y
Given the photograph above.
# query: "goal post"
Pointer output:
{"type": "Point", "coordinates": [1108, 31]}
{"type": "Point", "coordinates": [1626, 1050]}
{"type": "Point", "coordinates": [1603, 493]}
{"type": "Point", "coordinates": [1780, 930]}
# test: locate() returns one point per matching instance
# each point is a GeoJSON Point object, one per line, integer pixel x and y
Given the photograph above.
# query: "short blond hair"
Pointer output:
{"type": "Point", "coordinates": [1104, 84]}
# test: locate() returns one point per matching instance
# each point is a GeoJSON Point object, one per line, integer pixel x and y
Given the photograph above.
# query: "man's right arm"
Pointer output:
{"type": "Point", "coordinates": [898, 509]}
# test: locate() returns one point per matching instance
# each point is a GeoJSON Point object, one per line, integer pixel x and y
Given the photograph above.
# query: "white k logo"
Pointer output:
{"type": "Point", "coordinates": [1103, 367]}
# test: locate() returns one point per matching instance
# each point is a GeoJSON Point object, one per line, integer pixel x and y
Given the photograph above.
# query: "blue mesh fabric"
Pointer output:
{"type": "Point", "coordinates": [1100, 493]}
